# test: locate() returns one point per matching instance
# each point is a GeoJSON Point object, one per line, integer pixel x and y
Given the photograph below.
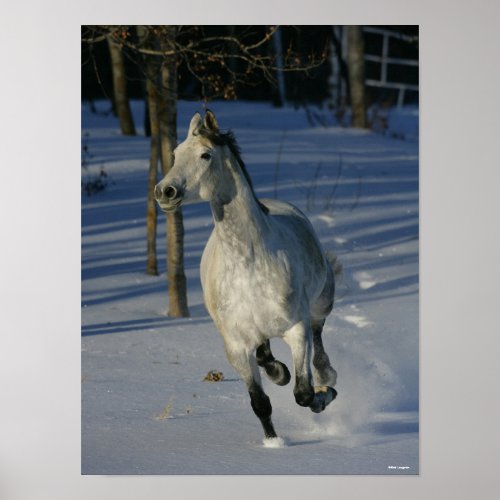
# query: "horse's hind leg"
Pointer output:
{"type": "Point", "coordinates": [324, 374]}
{"type": "Point", "coordinates": [275, 370]}
{"type": "Point", "coordinates": [245, 364]}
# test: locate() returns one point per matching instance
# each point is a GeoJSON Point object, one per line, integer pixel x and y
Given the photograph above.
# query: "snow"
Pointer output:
{"type": "Point", "coordinates": [145, 406]}
{"type": "Point", "coordinates": [276, 442]}
{"type": "Point", "coordinates": [359, 321]}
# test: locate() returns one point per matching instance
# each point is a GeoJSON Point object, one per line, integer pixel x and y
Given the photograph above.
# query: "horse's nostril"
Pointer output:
{"type": "Point", "coordinates": [170, 192]}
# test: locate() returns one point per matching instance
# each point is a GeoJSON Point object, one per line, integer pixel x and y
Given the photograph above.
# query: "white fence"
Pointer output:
{"type": "Point", "coordinates": [384, 60]}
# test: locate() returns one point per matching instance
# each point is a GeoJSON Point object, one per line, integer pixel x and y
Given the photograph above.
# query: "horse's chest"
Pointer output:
{"type": "Point", "coordinates": [255, 282]}
{"type": "Point", "coordinates": [257, 295]}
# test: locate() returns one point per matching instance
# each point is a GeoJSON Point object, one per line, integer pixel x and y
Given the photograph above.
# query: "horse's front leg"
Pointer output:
{"type": "Point", "coordinates": [299, 338]}
{"type": "Point", "coordinates": [245, 364]}
{"type": "Point", "coordinates": [275, 370]}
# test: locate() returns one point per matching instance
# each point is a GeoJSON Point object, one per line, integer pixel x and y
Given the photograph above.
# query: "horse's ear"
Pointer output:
{"type": "Point", "coordinates": [210, 121]}
{"type": "Point", "coordinates": [195, 123]}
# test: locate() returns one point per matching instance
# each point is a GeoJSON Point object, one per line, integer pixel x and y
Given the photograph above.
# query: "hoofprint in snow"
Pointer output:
{"type": "Point", "coordinates": [145, 406]}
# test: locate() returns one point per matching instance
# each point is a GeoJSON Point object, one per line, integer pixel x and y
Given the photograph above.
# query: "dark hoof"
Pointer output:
{"type": "Point", "coordinates": [322, 398]}
{"type": "Point", "coordinates": [278, 372]}
{"type": "Point", "coordinates": [304, 397]}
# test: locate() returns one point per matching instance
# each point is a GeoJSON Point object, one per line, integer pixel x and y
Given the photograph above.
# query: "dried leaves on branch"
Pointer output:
{"type": "Point", "coordinates": [218, 58]}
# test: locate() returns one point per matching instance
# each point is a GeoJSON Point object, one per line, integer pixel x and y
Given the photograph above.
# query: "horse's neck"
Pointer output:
{"type": "Point", "coordinates": [240, 223]}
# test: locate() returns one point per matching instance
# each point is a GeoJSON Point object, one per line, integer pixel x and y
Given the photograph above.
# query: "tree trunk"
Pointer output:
{"type": "Point", "coordinates": [151, 216]}
{"type": "Point", "coordinates": [147, 117]}
{"type": "Point", "coordinates": [339, 88]}
{"type": "Point", "coordinates": [280, 76]}
{"type": "Point", "coordinates": [356, 62]}
{"type": "Point", "coordinates": [167, 114]}
{"type": "Point", "coordinates": [121, 103]}
{"type": "Point", "coordinates": [151, 71]}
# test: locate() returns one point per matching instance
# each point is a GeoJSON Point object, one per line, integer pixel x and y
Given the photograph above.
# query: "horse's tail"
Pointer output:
{"type": "Point", "coordinates": [335, 264]}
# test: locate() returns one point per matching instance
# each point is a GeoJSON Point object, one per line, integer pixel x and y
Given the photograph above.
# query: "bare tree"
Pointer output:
{"type": "Point", "coordinates": [356, 64]}
{"type": "Point", "coordinates": [121, 102]}
{"type": "Point", "coordinates": [152, 98]}
{"type": "Point", "coordinates": [278, 48]}
{"type": "Point", "coordinates": [154, 157]}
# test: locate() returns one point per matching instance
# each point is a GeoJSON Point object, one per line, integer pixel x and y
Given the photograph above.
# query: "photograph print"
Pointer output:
{"type": "Point", "coordinates": [250, 250]}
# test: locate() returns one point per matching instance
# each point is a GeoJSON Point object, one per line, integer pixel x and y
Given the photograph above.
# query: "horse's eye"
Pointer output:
{"type": "Point", "coordinates": [206, 156]}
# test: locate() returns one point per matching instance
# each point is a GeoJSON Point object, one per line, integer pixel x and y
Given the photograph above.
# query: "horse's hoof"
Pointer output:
{"type": "Point", "coordinates": [323, 396]}
{"type": "Point", "coordinates": [304, 397]}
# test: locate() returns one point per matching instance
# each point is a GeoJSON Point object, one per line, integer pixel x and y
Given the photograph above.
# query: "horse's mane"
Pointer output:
{"type": "Point", "coordinates": [228, 139]}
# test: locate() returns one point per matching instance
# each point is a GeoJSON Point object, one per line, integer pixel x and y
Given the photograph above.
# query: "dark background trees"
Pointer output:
{"type": "Point", "coordinates": [310, 87]}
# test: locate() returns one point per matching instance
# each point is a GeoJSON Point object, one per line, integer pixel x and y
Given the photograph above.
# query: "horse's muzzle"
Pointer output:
{"type": "Point", "coordinates": [168, 197]}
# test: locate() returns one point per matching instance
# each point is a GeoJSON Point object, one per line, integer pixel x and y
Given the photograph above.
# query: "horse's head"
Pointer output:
{"type": "Point", "coordinates": [197, 173]}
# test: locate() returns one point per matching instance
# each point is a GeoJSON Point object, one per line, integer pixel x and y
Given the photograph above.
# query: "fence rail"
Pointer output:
{"type": "Point", "coordinates": [384, 60]}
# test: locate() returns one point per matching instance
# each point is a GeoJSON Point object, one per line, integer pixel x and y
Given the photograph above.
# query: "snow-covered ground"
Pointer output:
{"type": "Point", "coordinates": [145, 406]}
